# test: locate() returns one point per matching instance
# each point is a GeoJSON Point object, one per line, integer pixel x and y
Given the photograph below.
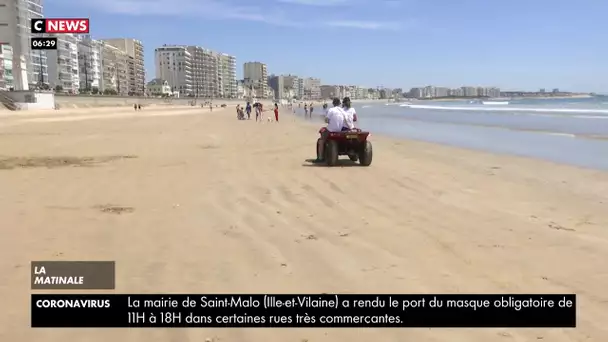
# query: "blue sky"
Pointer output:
{"type": "Point", "coordinates": [512, 44]}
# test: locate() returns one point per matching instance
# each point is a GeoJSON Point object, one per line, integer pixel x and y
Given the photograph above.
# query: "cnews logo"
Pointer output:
{"type": "Point", "coordinates": [54, 25]}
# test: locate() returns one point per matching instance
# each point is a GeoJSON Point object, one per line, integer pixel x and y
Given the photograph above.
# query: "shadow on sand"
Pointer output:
{"type": "Point", "coordinates": [341, 163]}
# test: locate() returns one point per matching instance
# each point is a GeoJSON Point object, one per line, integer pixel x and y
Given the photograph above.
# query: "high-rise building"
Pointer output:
{"type": "Point", "coordinates": [114, 70]}
{"type": "Point", "coordinates": [227, 72]}
{"type": "Point", "coordinates": [136, 73]}
{"type": "Point", "coordinates": [29, 67]}
{"type": "Point", "coordinates": [89, 63]}
{"type": "Point", "coordinates": [255, 76]}
{"type": "Point", "coordinates": [63, 66]}
{"type": "Point", "coordinates": [205, 72]}
{"type": "Point", "coordinates": [196, 71]}
{"type": "Point", "coordinates": [174, 65]}
{"type": "Point", "coordinates": [277, 84]}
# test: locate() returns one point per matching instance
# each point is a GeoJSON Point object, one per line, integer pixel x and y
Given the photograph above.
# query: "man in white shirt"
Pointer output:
{"type": "Point", "coordinates": [335, 122]}
{"type": "Point", "coordinates": [349, 114]}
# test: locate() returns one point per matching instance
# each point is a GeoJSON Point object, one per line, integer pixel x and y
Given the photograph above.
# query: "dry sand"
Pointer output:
{"type": "Point", "coordinates": [212, 204]}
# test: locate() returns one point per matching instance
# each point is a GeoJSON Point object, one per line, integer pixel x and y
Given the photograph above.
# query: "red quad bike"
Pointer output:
{"type": "Point", "coordinates": [353, 144]}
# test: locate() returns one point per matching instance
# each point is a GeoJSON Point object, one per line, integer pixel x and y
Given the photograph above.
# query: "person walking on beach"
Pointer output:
{"type": "Point", "coordinates": [276, 112]}
{"type": "Point", "coordinates": [248, 110]}
{"type": "Point", "coordinates": [311, 108]}
{"type": "Point", "coordinates": [305, 111]}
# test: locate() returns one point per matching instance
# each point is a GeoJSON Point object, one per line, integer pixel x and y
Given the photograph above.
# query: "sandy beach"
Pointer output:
{"type": "Point", "coordinates": [191, 201]}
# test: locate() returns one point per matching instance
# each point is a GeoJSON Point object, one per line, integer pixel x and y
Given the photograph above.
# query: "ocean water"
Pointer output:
{"type": "Point", "coordinates": [569, 131]}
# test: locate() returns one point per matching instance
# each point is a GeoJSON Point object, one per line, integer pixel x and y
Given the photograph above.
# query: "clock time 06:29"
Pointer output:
{"type": "Point", "coordinates": [43, 43]}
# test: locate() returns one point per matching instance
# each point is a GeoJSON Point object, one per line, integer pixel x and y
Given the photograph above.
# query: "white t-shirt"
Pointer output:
{"type": "Point", "coordinates": [335, 116]}
{"type": "Point", "coordinates": [349, 118]}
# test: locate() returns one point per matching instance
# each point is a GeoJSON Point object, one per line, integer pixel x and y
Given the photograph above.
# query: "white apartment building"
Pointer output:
{"type": "Point", "coordinates": [136, 72]}
{"type": "Point", "coordinates": [469, 91]}
{"type": "Point", "coordinates": [63, 65]}
{"type": "Point", "coordinates": [205, 72]}
{"type": "Point", "coordinates": [240, 89]}
{"type": "Point", "coordinates": [114, 70]}
{"type": "Point", "coordinates": [6, 67]}
{"type": "Point", "coordinates": [196, 71]}
{"type": "Point", "coordinates": [173, 63]}
{"type": "Point", "coordinates": [89, 63]}
{"type": "Point", "coordinates": [362, 93]}
{"type": "Point", "coordinates": [227, 75]}
{"type": "Point", "coordinates": [255, 75]}
{"type": "Point", "coordinates": [30, 67]}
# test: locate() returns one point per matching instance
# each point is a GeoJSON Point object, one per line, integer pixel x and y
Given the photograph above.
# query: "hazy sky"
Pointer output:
{"type": "Point", "coordinates": [511, 44]}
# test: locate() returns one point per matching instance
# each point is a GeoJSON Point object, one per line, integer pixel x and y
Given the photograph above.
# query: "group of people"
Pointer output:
{"type": "Point", "coordinates": [259, 109]}
{"type": "Point", "coordinates": [308, 110]}
{"type": "Point", "coordinates": [341, 117]}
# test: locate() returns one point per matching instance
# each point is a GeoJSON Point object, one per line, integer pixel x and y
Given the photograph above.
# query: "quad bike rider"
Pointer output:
{"type": "Point", "coordinates": [341, 138]}
{"type": "Point", "coordinates": [350, 116]}
{"type": "Point", "coordinates": [335, 123]}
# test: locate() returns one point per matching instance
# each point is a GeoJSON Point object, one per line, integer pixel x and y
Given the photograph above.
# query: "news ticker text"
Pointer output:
{"type": "Point", "coordinates": [303, 310]}
{"type": "Point", "coordinates": [43, 43]}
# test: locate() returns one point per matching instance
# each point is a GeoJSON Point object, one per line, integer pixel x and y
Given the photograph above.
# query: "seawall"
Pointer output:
{"type": "Point", "coordinates": [95, 101]}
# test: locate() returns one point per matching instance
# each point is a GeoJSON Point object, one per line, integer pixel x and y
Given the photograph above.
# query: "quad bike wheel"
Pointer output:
{"type": "Point", "coordinates": [366, 154]}
{"type": "Point", "coordinates": [319, 156]}
{"type": "Point", "coordinates": [331, 153]}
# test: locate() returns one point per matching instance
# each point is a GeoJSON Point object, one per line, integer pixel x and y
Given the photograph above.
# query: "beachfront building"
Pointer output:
{"type": "Point", "coordinates": [6, 67]}
{"type": "Point", "coordinates": [89, 64]}
{"type": "Point", "coordinates": [205, 72]}
{"type": "Point", "coordinates": [294, 84]}
{"type": "Point", "coordinates": [29, 67]}
{"type": "Point", "coordinates": [174, 64]}
{"type": "Point", "coordinates": [227, 76]}
{"type": "Point", "coordinates": [159, 87]}
{"type": "Point", "coordinates": [196, 71]}
{"type": "Point", "coordinates": [362, 93]}
{"type": "Point", "coordinates": [469, 91]}
{"type": "Point", "coordinates": [330, 91]}
{"type": "Point", "coordinates": [256, 78]}
{"type": "Point", "coordinates": [493, 92]}
{"type": "Point", "coordinates": [457, 92]}
{"type": "Point", "coordinates": [240, 89]}
{"type": "Point", "coordinates": [63, 66]}
{"type": "Point", "coordinates": [312, 88]}
{"type": "Point", "coordinates": [114, 78]}
{"type": "Point", "coordinates": [136, 74]}
{"type": "Point", "coordinates": [277, 84]}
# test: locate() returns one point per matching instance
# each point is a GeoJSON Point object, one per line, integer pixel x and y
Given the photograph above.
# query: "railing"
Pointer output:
{"type": "Point", "coordinates": [7, 101]}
